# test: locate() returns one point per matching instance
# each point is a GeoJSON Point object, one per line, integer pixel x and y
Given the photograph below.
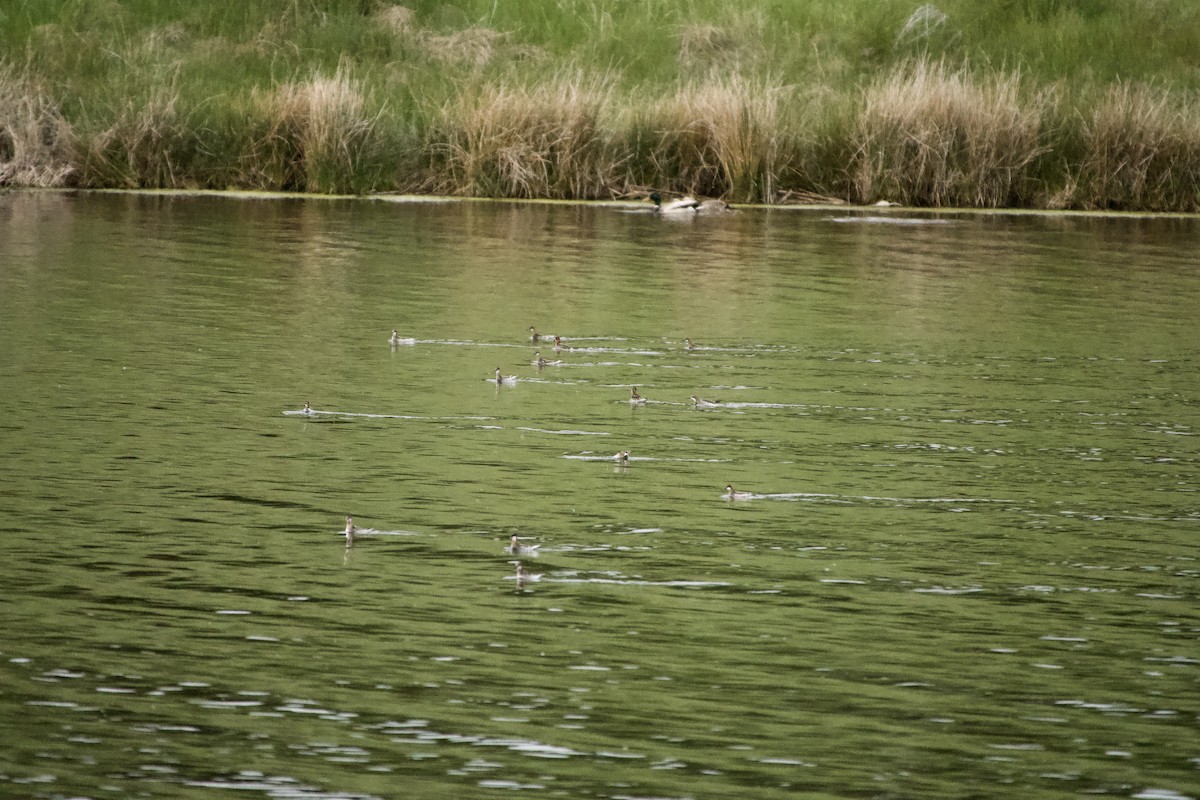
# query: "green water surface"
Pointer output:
{"type": "Point", "coordinates": [966, 563]}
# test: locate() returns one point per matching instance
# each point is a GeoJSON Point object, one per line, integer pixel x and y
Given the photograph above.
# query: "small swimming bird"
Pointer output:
{"type": "Point", "coordinates": [517, 548]}
{"type": "Point", "coordinates": [684, 205]}
{"type": "Point", "coordinates": [622, 457]}
{"type": "Point", "coordinates": [688, 343]}
{"type": "Point", "coordinates": [730, 494]}
{"type": "Point", "coordinates": [635, 398]}
{"type": "Point", "coordinates": [350, 531]}
{"type": "Point", "coordinates": [558, 344]}
{"type": "Point", "coordinates": [524, 577]}
{"type": "Point", "coordinates": [534, 336]}
{"type": "Point", "coordinates": [505, 380]}
{"type": "Point", "coordinates": [307, 409]}
{"type": "Point", "coordinates": [700, 402]}
{"type": "Point", "coordinates": [540, 362]}
{"type": "Point", "coordinates": [398, 340]}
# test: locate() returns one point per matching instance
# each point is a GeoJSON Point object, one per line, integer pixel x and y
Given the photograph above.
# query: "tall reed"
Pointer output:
{"type": "Point", "coordinates": [1141, 150]}
{"type": "Point", "coordinates": [544, 140]}
{"type": "Point", "coordinates": [931, 135]}
{"type": "Point", "coordinates": [316, 135]}
{"type": "Point", "coordinates": [35, 140]}
{"type": "Point", "coordinates": [141, 147]}
{"type": "Point", "coordinates": [715, 137]}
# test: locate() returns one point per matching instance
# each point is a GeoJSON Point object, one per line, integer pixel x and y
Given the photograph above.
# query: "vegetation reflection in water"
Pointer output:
{"type": "Point", "coordinates": [962, 562]}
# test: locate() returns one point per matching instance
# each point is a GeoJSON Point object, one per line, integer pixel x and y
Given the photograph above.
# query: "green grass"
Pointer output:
{"type": "Point", "coordinates": [1042, 103]}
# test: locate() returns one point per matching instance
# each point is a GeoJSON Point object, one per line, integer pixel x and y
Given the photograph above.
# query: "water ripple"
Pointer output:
{"type": "Point", "coordinates": [275, 786]}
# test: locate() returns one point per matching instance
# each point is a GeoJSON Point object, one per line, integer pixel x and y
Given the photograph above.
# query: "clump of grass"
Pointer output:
{"type": "Point", "coordinates": [318, 135]}
{"type": "Point", "coordinates": [930, 135]}
{"type": "Point", "coordinates": [703, 45]}
{"type": "Point", "coordinates": [398, 19]}
{"type": "Point", "coordinates": [544, 140]}
{"type": "Point", "coordinates": [35, 140]}
{"type": "Point", "coordinates": [736, 40]}
{"type": "Point", "coordinates": [718, 137]}
{"type": "Point", "coordinates": [472, 46]}
{"type": "Point", "coordinates": [140, 147]}
{"type": "Point", "coordinates": [1141, 150]}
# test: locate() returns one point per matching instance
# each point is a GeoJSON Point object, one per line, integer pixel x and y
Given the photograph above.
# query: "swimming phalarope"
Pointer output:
{"type": "Point", "coordinates": [524, 577]}
{"type": "Point", "coordinates": [730, 494]}
{"type": "Point", "coordinates": [351, 531]}
{"type": "Point", "coordinates": [700, 402]}
{"type": "Point", "coordinates": [307, 409]}
{"type": "Point", "coordinates": [540, 362]}
{"type": "Point", "coordinates": [534, 336]}
{"type": "Point", "coordinates": [558, 344]}
{"type": "Point", "coordinates": [506, 380]}
{"type": "Point", "coordinates": [687, 343]}
{"type": "Point", "coordinates": [398, 340]}
{"type": "Point", "coordinates": [635, 398]}
{"type": "Point", "coordinates": [517, 548]}
{"type": "Point", "coordinates": [622, 457]}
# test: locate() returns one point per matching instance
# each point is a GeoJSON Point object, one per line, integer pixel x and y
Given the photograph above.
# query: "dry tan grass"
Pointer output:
{"type": "Point", "coordinates": [524, 141]}
{"type": "Point", "coordinates": [472, 46]}
{"type": "Point", "coordinates": [166, 38]}
{"type": "Point", "coordinates": [315, 130]}
{"type": "Point", "coordinates": [476, 46]}
{"type": "Point", "coordinates": [35, 141]}
{"type": "Point", "coordinates": [929, 135]}
{"type": "Point", "coordinates": [705, 44]}
{"type": "Point", "coordinates": [1142, 150]}
{"type": "Point", "coordinates": [720, 137]}
{"type": "Point", "coordinates": [922, 24]}
{"type": "Point", "coordinates": [396, 18]}
{"type": "Point", "coordinates": [135, 151]}
{"type": "Point", "coordinates": [734, 41]}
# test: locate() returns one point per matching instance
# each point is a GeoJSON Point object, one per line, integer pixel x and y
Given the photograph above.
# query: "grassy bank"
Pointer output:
{"type": "Point", "coordinates": [1028, 103]}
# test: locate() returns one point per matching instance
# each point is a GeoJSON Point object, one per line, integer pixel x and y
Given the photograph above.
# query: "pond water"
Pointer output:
{"type": "Point", "coordinates": [961, 560]}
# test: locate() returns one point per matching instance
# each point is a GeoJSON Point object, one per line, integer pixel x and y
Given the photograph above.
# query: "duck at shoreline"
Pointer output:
{"type": "Point", "coordinates": [689, 205]}
{"type": "Point", "coordinates": [684, 205]}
